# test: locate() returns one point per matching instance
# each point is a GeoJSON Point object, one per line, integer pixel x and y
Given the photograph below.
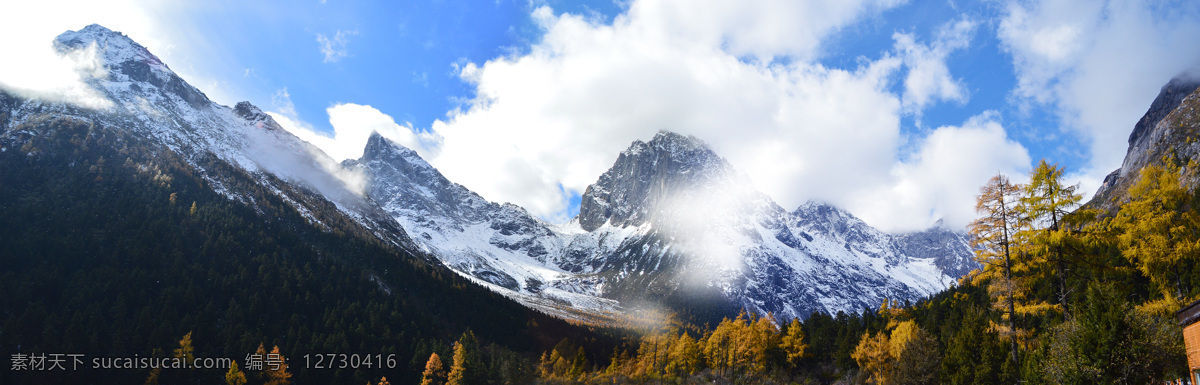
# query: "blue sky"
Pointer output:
{"type": "Point", "coordinates": [895, 110]}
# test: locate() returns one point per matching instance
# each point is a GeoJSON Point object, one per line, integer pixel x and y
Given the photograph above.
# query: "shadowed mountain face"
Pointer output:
{"type": "Point", "coordinates": [671, 225]}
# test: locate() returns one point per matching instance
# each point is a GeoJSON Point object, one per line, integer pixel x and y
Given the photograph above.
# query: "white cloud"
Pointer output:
{"type": "Point", "coordinates": [928, 78]}
{"type": "Point", "coordinates": [544, 125]}
{"type": "Point", "coordinates": [352, 125]}
{"type": "Point", "coordinates": [1098, 65]}
{"type": "Point", "coordinates": [334, 48]}
{"type": "Point", "coordinates": [942, 178]}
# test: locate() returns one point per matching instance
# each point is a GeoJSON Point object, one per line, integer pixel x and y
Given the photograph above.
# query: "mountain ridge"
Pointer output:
{"type": "Point", "coordinates": [670, 220]}
{"type": "Point", "coordinates": [635, 240]}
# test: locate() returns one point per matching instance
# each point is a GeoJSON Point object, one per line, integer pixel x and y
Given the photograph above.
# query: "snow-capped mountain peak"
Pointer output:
{"type": "Point", "coordinates": [670, 222]}
{"type": "Point", "coordinates": [114, 48]}
{"type": "Point", "coordinates": [124, 62]}
{"type": "Point", "coordinates": [647, 176]}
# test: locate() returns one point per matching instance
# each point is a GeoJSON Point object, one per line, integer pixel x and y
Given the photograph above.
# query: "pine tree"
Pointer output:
{"type": "Point", "coordinates": [793, 343]}
{"type": "Point", "coordinates": [185, 351]}
{"type": "Point", "coordinates": [1045, 205]}
{"type": "Point", "coordinates": [992, 237]}
{"type": "Point", "coordinates": [719, 345]}
{"type": "Point", "coordinates": [764, 340]}
{"type": "Point", "coordinates": [904, 333]}
{"type": "Point", "coordinates": [435, 372]}
{"type": "Point", "coordinates": [685, 356]}
{"type": "Point", "coordinates": [1158, 232]}
{"type": "Point", "coordinates": [155, 373]}
{"type": "Point", "coordinates": [546, 364]}
{"type": "Point", "coordinates": [918, 358]}
{"type": "Point", "coordinates": [278, 375]}
{"type": "Point", "coordinates": [1110, 342]}
{"type": "Point", "coordinates": [261, 375]}
{"type": "Point", "coordinates": [653, 354]}
{"type": "Point", "coordinates": [235, 376]}
{"type": "Point", "coordinates": [457, 369]}
{"type": "Point", "coordinates": [465, 368]}
{"type": "Point", "coordinates": [873, 356]}
{"type": "Point", "coordinates": [562, 367]}
{"type": "Point", "coordinates": [580, 364]}
{"type": "Point", "coordinates": [186, 354]}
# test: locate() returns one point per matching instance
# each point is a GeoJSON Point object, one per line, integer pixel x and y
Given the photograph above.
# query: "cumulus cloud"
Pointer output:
{"type": "Point", "coordinates": [941, 179]}
{"type": "Point", "coordinates": [352, 125]}
{"type": "Point", "coordinates": [928, 78]}
{"type": "Point", "coordinates": [334, 48]}
{"type": "Point", "coordinates": [545, 124]}
{"type": "Point", "coordinates": [1097, 65]}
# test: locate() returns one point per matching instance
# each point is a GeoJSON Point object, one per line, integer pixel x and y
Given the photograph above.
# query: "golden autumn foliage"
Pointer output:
{"type": "Point", "coordinates": [278, 375]}
{"type": "Point", "coordinates": [235, 376]}
{"type": "Point", "coordinates": [435, 371]}
{"type": "Point", "coordinates": [1158, 232]}
{"type": "Point", "coordinates": [686, 357]}
{"type": "Point", "coordinates": [793, 344]}
{"type": "Point", "coordinates": [1051, 236]}
{"type": "Point", "coordinates": [995, 249]}
{"type": "Point", "coordinates": [457, 374]}
{"type": "Point", "coordinates": [905, 355]}
{"type": "Point", "coordinates": [745, 347]}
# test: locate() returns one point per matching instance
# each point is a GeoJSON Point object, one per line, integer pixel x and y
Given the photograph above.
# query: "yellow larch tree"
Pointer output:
{"type": "Point", "coordinates": [1157, 230]}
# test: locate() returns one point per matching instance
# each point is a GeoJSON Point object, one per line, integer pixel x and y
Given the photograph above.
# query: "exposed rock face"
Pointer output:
{"type": "Point", "coordinates": [1170, 128]}
{"type": "Point", "coordinates": [951, 251]}
{"type": "Point", "coordinates": [256, 116]}
{"type": "Point", "coordinates": [644, 176]}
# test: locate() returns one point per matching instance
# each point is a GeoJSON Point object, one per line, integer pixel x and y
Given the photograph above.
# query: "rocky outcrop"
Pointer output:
{"type": "Point", "coordinates": [1169, 130]}
{"type": "Point", "coordinates": [644, 176]}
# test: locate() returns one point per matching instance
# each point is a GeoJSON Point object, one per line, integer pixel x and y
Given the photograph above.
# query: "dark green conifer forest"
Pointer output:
{"type": "Point", "coordinates": [112, 248]}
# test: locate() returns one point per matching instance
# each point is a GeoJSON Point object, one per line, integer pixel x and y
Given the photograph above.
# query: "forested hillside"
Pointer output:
{"type": "Point", "coordinates": [114, 247]}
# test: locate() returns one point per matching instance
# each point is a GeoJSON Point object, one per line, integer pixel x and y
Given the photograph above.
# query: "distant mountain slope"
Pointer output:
{"type": "Point", "coordinates": [501, 246]}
